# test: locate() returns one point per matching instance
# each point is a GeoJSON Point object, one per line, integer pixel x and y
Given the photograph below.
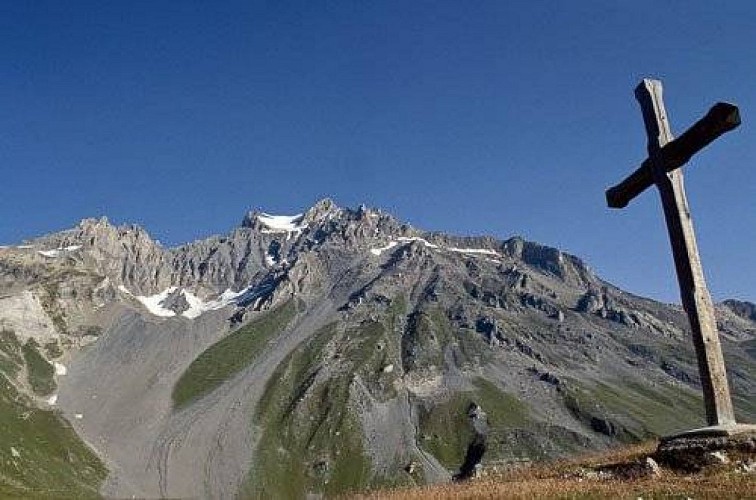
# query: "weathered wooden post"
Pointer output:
{"type": "Point", "coordinates": [662, 167]}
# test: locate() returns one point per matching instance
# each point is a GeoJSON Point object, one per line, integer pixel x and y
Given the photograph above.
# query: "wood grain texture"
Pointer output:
{"type": "Point", "coordinates": [721, 118]}
{"type": "Point", "coordinates": [694, 294]}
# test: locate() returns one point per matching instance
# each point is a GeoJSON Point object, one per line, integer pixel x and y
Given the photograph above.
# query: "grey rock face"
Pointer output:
{"type": "Point", "coordinates": [745, 310]}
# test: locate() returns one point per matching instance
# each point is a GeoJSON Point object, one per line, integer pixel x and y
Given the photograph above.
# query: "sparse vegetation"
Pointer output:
{"type": "Point", "coordinates": [426, 336]}
{"type": "Point", "coordinates": [231, 354]}
{"type": "Point", "coordinates": [53, 350]}
{"type": "Point", "coordinates": [503, 409]}
{"type": "Point", "coordinates": [11, 358]}
{"type": "Point", "coordinates": [49, 302]}
{"type": "Point", "coordinates": [39, 372]}
{"type": "Point", "coordinates": [312, 440]}
{"type": "Point", "coordinates": [573, 479]}
{"type": "Point", "coordinates": [446, 430]}
{"type": "Point", "coordinates": [40, 454]}
{"type": "Point", "coordinates": [630, 411]}
{"type": "Point", "coordinates": [429, 332]}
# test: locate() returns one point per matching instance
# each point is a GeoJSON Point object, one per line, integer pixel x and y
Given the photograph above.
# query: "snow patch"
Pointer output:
{"type": "Point", "coordinates": [409, 239]}
{"type": "Point", "coordinates": [78, 416]}
{"type": "Point", "coordinates": [197, 306]}
{"type": "Point", "coordinates": [277, 224]}
{"type": "Point", "coordinates": [379, 251]}
{"type": "Point", "coordinates": [479, 251]}
{"type": "Point", "coordinates": [153, 303]}
{"type": "Point", "coordinates": [60, 369]}
{"type": "Point", "coordinates": [52, 400]}
{"type": "Point", "coordinates": [58, 251]}
{"type": "Point", "coordinates": [229, 296]}
{"type": "Point", "coordinates": [270, 261]}
{"type": "Point", "coordinates": [401, 239]}
{"type": "Point", "coordinates": [406, 239]}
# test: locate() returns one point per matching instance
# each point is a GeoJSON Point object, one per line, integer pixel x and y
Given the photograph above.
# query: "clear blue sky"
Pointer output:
{"type": "Point", "coordinates": [485, 117]}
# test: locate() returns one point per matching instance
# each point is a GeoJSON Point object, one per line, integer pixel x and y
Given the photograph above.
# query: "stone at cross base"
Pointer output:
{"type": "Point", "coordinates": [662, 167]}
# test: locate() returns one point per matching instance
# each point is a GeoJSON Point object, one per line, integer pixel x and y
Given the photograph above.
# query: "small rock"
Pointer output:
{"type": "Point", "coordinates": [78, 416]}
{"type": "Point", "coordinates": [718, 457]}
{"type": "Point", "coordinates": [388, 368]}
{"type": "Point", "coordinates": [411, 468]}
{"type": "Point", "coordinates": [749, 466]}
{"type": "Point", "coordinates": [589, 474]}
{"type": "Point", "coordinates": [652, 468]}
{"type": "Point", "coordinates": [15, 452]}
{"type": "Point", "coordinates": [605, 474]}
{"type": "Point", "coordinates": [478, 470]}
{"type": "Point", "coordinates": [604, 426]}
{"type": "Point", "coordinates": [321, 467]}
{"type": "Point", "coordinates": [475, 412]}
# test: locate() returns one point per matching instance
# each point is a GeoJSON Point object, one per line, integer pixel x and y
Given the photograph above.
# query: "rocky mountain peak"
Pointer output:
{"type": "Point", "coordinates": [93, 222]}
{"type": "Point", "coordinates": [320, 210]}
{"type": "Point", "coordinates": [93, 231]}
{"type": "Point", "coordinates": [258, 219]}
{"type": "Point", "coordinates": [250, 219]}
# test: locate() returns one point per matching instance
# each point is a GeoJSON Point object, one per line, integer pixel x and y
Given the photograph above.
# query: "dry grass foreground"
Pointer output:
{"type": "Point", "coordinates": [587, 477]}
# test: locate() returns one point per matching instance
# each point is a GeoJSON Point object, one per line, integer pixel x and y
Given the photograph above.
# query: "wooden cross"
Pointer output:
{"type": "Point", "coordinates": [662, 167]}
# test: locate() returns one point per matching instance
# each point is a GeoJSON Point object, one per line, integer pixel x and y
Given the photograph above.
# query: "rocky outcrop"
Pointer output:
{"type": "Point", "coordinates": [550, 260]}
{"type": "Point", "coordinates": [741, 308]}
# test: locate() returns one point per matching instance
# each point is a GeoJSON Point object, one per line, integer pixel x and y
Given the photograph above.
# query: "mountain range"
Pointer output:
{"type": "Point", "coordinates": [331, 351]}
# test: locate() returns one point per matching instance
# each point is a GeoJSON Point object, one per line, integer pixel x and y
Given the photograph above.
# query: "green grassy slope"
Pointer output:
{"type": "Point", "coordinates": [228, 356]}
{"type": "Point", "coordinates": [312, 441]}
{"type": "Point", "coordinates": [39, 372]}
{"type": "Point", "coordinates": [40, 454]}
{"type": "Point", "coordinates": [515, 432]}
{"type": "Point", "coordinates": [631, 411]}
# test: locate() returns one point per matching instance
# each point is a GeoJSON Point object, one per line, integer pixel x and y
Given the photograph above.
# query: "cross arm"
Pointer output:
{"type": "Point", "coordinates": [721, 118]}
